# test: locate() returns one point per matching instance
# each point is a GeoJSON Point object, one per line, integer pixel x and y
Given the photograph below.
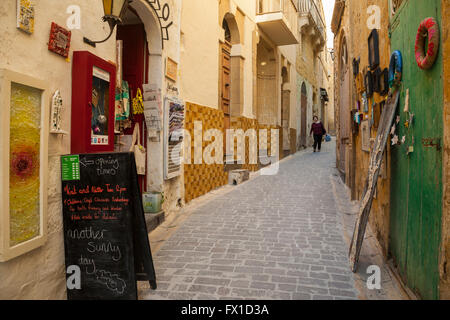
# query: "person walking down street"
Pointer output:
{"type": "Point", "coordinates": [319, 131]}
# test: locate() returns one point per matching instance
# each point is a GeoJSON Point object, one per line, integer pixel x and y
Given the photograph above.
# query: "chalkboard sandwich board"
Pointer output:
{"type": "Point", "coordinates": [105, 235]}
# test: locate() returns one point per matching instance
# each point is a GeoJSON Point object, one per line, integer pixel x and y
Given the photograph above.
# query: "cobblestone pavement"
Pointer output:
{"type": "Point", "coordinates": [274, 237]}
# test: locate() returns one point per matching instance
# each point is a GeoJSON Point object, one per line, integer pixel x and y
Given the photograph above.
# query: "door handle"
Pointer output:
{"type": "Point", "coordinates": [432, 142]}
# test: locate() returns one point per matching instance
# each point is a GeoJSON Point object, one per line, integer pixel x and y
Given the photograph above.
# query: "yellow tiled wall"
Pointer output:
{"type": "Point", "coordinates": [200, 179]}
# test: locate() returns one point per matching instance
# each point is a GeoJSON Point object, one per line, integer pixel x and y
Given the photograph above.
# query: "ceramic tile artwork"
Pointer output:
{"type": "Point", "coordinates": [57, 104]}
{"type": "Point", "coordinates": [200, 179]}
{"type": "Point", "coordinates": [59, 41]}
{"type": "Point", "coordinates": [25, 16]}
{"type": "Point", "coordinates": [24, 173]}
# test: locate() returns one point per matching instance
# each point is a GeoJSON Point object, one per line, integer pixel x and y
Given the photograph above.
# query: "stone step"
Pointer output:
{"type": "Point", "coordinates": [237, 177]}
{"type": "Point", "coordinates": [154, 220]}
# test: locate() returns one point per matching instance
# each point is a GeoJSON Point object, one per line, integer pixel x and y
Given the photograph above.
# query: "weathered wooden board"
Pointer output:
{"type": "Point", "coordinates": [376, 158]}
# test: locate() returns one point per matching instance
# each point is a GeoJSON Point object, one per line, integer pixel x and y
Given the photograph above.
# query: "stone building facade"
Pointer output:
{"type": "Point", "coordinates": [351, 43]}
{"type": "Point", "coordinates": [40, 273]}
{"type": "Point", "coordinates": [233, 63]}
{"type": "Point", "coordinates": [313, 69]}
{"type": "Point", "coordinates": [417, 247]}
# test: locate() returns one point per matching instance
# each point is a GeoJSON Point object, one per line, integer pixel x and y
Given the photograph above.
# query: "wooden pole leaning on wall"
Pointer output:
{"type": "Point", "coordinates": [376, 159]}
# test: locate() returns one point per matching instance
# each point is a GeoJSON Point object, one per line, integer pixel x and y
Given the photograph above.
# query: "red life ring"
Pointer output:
{"type": "Point", "coordinates": [428, 28]}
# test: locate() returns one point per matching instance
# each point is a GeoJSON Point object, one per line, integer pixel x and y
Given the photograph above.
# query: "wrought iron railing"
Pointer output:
{"type": "Point", "coordinates": [310, 7]}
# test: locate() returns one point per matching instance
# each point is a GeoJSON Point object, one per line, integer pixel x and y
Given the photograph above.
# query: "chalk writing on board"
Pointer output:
{"type": "Point", "coordinates": [86, 234]}
{"type": "Point", "coordinates": [86, 163]}
{"type": "Point", "coordinates": [104, 229]}
{"type": "Point", "coordinates": [111, 281]}
{"type": "Point", "coordinates": [88, 263]}
{"type": "Point", "coordinates": [107, 248]}
{"type": "Point", "coordinates": [105, 167]}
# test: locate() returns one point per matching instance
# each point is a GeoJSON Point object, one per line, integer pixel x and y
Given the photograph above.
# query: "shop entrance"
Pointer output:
{"type": "Point", "coordinates": [134, 74]}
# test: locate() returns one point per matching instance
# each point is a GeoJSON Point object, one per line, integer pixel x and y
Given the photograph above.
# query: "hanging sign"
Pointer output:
{"type": "Point", "coordinates": [138, 103]}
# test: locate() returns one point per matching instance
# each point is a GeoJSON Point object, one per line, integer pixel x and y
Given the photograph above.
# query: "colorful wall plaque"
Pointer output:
{"type": "Point", "coordinates": [56, 113]}
{"type": "Point", "coordinates": [59, 41]}
{"type": "Point", "coordinates": [25, 16]}
{"type": "Point", "coordinates": [23, 170]}
{"type": "Point", "coordinates": [171, 69]}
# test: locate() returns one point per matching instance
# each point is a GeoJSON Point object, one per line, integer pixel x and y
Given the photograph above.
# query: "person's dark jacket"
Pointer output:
{"type": "Point", "coordinates": [318, 129]}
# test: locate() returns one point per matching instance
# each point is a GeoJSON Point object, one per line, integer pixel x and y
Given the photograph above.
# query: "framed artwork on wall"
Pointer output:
{"type": "Point", "coordinates": [365, 135]}
{"type": "Point", "coordinates": [59, 41]}
{"type": "Point", "coordinates": [171, 69]}
{"type": "Point", "coordinates": [25, 16]}
{"type": "Point", "coordinates": [24, 167]}
{"type": "Point", "coordinates": [374, 51]}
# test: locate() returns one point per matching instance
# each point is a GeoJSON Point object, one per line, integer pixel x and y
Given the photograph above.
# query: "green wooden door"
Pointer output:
{"type": "Point", "coordinates": [416, 184]}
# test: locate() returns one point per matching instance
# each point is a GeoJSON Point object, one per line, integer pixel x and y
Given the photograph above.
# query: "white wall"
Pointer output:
{"type": "Point", "coordinates": [40, 273]}
{"type": "Point", "coordinates": [200, 52]}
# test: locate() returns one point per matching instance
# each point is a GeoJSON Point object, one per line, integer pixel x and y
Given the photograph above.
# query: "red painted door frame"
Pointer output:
{"type": "Point", "coordinates": [135, 72]}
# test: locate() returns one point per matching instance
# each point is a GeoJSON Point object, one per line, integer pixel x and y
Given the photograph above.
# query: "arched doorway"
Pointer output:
{"type": "Point", "coordinates": [304, 108]}
{"type": "Point", "coordinates": [141, 63]}
{"type": "Point", "coordinates": [267, 88]}
{"type": "Point", "coordinates": [134, 70]}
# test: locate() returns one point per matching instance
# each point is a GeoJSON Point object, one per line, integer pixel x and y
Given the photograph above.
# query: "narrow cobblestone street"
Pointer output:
{"type": "Point", "coordinates": [274, 237]}
{"type": "Point", "coordinates": [118, 118]}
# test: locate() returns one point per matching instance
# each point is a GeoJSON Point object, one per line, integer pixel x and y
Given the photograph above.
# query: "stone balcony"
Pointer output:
{"type": "Point", "coordinates": [278, 19]}
{"type": "Point", "coordinates": [311, 23]}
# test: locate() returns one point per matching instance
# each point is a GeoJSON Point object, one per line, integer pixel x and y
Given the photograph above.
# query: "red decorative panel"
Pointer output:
{"type": "Point", "coordinates": [59, 41]}
{"type": "Point", "coordinates": [93, 99]}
